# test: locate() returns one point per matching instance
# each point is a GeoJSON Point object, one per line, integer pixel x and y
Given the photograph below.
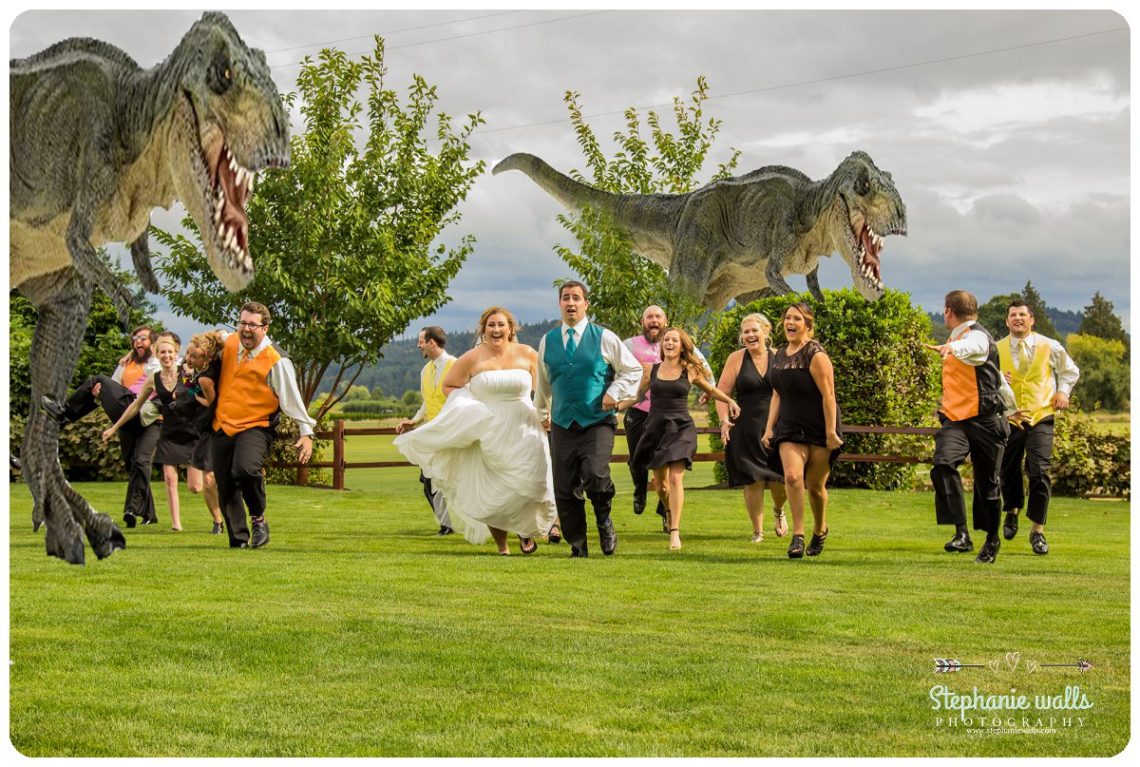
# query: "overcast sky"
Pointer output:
{"type": "Point", "coordinates": [1007, 132]}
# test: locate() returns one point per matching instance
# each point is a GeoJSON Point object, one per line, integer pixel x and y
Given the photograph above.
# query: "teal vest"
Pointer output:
{"type": "Point", "coordinates": [577, 383]}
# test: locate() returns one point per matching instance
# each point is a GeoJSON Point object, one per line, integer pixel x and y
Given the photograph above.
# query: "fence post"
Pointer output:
{"type": "Point", "coordinates": [338, 454]}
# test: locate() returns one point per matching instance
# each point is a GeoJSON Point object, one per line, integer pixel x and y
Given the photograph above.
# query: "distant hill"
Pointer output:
{"type": "Point", "coordinates": [398, 370]}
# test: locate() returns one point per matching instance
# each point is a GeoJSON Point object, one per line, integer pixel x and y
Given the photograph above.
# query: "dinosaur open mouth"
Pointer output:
{"type": "Point", "coordinates": [230, 188]}
{"type": "Point", "coordinates": [870, 245]}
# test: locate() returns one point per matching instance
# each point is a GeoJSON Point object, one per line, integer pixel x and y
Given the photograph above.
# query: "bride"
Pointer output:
{"type": "Point", "coordinates": [486, 450]}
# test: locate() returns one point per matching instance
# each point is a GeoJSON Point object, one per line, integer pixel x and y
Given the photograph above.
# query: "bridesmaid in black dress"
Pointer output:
{"type": "Point", "coordinates": [669, 439]}
{"type": "Point", "coordinates": [745, 375]}
{"type": "Point", "coordinates": [803, 425]}
{"type": "Point", "coordinates": [179, 434]}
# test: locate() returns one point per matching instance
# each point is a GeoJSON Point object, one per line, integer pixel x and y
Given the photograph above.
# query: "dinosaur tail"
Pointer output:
{"type": "Point", "coordinates": [571, 193]}
{"type": "Point", "coordinates": [647, 218]}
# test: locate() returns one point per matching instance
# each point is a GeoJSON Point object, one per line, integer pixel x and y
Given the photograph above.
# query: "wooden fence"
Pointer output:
{"type": "Point", "coordinates": [339, 465]}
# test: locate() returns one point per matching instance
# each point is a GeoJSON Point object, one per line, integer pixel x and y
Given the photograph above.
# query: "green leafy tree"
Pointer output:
{"type": "Point", "coordinates": [1100, 320]}
{"type": "Point", "coordinates": [343, 240]}
{"type": "Point", "coordinates": [992, 314]}
{"type": "Point", "coordinates": [1105, 376]}
{"type": "Point", "coordinates": [622, 283]}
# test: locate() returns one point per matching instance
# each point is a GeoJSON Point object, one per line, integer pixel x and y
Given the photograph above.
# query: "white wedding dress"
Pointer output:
{"type": "Point", "coordinates": [487, 452]}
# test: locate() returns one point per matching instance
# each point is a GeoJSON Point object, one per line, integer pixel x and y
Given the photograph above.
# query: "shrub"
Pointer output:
{"type": "Point", "coordinates": [82, 454]}
{"type": "Point", "coordinates": [282, 451]}
{"type": "Point", "coordinates": [883, 375]}
{"type": "Point", "coordinates": [1086, 460]}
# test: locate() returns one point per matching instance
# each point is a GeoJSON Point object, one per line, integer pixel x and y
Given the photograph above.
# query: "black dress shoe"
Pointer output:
{"type": "Point", "coordinates": [815, 548]}
{"type": "Point", "coordinates": [445, 530]}
{"type": "Point", "coordinates": [1009, 529]}
{"type": "Point", "coordinates": [638, 505]}
{"type": "Point", "coordinates": [960, 542]}
{"type": "Point", "coordinates": [989, 551]}
{"type": "Point", "coordinates": [608, 537]}
{"type": "Point", "coordinates": [260, 533]}
{"type": "Point", "coordinates": [578, 553]}
{"type": "Point", "coordinates": [54, 410]}
{"type": "Point", "coordinates": [130, 519]}
{"type": "Point", "coordinates": [1037, 541]}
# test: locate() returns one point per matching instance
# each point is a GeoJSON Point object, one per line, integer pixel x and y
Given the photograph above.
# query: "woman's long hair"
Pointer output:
{"type": "Point", "coordinates": [210, 343]}
{"type": "Point", "coordinates": [689, 359]}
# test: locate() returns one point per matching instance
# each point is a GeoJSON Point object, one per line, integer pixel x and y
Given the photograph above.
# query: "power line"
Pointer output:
{"type": "Point", "coordinates": [816, 81]}
{"type": "Point", "coordinates": [470, 34]}
{"type": "Point", "coordinates": [389, 32]}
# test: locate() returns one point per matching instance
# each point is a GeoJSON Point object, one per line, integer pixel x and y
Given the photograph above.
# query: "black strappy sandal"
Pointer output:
{"type": "Point", "coordinates": [816, 546]}
{"type": "Point", "coordinates": [796, 549]}
{"type": "Point", "coordinates": [523, 545]}
{"type": "Point", "coordinates": [555, 534]}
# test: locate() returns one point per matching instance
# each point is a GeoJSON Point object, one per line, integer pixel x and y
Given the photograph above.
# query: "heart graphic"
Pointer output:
{"type": "Point", "coordinates": [1032, 666]}
{"type": "Point", "coordinates": [1012, 659]}
{"type": "Point", "coordinates": [994, 664]}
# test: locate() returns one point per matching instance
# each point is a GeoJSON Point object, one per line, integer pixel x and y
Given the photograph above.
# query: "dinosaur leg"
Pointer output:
{"type": "Point", "coordinates": [62, 300]}
{"type": "Point", "coordinates": [140, 255]}
{"type": "Point", "coordinates": [813, 284]}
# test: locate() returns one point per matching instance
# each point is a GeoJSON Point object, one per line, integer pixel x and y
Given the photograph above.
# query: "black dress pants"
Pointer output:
{"type": "Point", "coordinates": [137, 442]}
{"type": "Point", "coordinates": [1031, 446]}
{"type": "Point", "coordinates": [634, 426]}
{"type": "Point", "coordinates": [581, 460]}
{"type": "Point", "coordinates": [238, 461]}
{"type": "Point", "coordinates": [983, 439]}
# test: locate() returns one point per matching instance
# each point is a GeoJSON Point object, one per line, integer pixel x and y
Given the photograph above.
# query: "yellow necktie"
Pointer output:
{"type": "Point", "coordinates": [1022, 355]}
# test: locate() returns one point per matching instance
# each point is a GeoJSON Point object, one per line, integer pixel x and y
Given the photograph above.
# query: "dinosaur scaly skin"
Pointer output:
{"type": "Point", "coordinates": [739, 237]}
{"type": "Point", "coordinates": [96, 143]}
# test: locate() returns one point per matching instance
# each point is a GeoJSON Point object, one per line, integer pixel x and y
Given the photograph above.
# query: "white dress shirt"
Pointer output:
{"type": "Point", "coordinates": [627, 370]}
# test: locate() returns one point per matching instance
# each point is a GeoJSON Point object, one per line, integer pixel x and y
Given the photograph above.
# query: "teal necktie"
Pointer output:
{"type": "Point", "coordinates": [570, 345]}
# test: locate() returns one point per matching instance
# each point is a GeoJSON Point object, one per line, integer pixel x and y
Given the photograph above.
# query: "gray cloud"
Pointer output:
{"type": "Point", "coordinates": [996, 195]}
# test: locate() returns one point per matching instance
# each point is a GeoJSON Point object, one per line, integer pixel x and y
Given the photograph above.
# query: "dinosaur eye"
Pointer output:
{"type": "Point", "coordinates": [862, 184]}
{"type": "Point", "coordinates": [220, 75]}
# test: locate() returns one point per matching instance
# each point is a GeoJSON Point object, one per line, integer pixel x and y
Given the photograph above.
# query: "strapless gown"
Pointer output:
{"type": "Point", "coordinates": [487, 452]}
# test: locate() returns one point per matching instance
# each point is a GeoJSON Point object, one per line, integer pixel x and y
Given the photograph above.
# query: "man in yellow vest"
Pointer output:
{"type": "Point", "coordinates": [115, 393]}
{"type": "Point", "coordinates": [975, 403]}
{"type": "Point", "coordinates": [1042, 376]}
{"type": "Point", "coordinates": [431, 343]}
{"type": "Point", "coordinates": [256, 384]}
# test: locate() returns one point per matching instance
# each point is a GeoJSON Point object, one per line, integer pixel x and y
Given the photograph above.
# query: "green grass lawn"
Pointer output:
{"type": "Point", "coordinates": [357, 632]}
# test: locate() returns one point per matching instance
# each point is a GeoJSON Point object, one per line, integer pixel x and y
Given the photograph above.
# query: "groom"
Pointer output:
{"type": "Point", "coordinates": [586, 371]}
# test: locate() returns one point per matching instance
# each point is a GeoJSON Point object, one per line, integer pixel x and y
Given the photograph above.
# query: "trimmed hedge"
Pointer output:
{"type": "Point", "coordinates": [1087, 461]}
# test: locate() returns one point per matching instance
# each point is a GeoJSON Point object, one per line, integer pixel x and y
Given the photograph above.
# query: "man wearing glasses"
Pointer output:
{"type": "Point", "coordinates": [256, 385]}
{"type": "Point", "coordinates": [116, 393]}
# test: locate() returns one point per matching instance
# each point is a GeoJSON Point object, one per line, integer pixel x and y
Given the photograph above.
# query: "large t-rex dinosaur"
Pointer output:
{"type": "Point", "coordinates": [739, 237]}
{"type": "Point", "coordinates": [96, 143]}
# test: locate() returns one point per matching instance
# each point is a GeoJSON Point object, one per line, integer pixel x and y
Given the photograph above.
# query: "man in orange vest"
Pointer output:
{"type": "Point", "coordinates": [975, 403]}
{"type": "Point", "coordinates": [431, 343]}
{"type": "Point", "coordinates": [256, 384]}
{"type": "Point", "coordinates": [1042, 375]}
{"type": "Point", "coordinates": [116, 393]}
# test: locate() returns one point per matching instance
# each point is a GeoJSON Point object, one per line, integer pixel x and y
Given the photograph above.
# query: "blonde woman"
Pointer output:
{"type": "Point", "coordinates": [669, 440]}
{"type": "Point", "coordinates": [803, 425]}
{"type": "Point", "coordinates": [486, 451]}
{"type": "Point", "coordinates": [179, 434]}
{"type": "Point", "coordinates": [745, 374]}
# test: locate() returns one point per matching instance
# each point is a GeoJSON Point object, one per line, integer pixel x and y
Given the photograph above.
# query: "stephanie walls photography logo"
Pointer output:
{"type": "Point", "coordinates": [978, 711]}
